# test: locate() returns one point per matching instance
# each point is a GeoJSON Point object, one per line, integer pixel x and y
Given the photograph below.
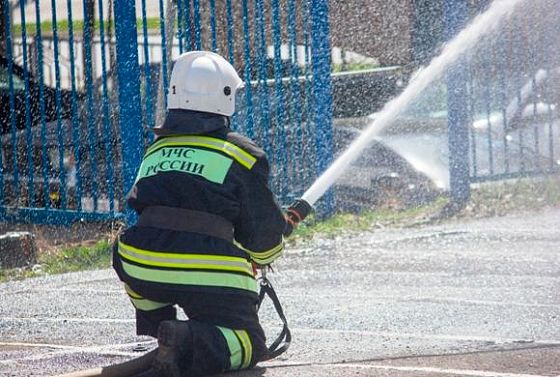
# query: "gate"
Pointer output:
{"type": "Point", "coordinates": [83, 82]}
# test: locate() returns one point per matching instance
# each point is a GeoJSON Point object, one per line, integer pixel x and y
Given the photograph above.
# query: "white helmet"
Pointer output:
{"type": "Point", "coordinates": [203, 81]}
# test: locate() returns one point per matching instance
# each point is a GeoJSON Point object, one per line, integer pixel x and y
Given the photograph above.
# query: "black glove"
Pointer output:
{"type": "Point", "coordinates": [295, 213]}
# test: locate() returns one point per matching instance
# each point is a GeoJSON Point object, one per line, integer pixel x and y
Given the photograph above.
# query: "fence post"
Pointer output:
{"type": "Point", "coordinates": [456, 14]}
{"type": "Point", "coordinates": [322, 90]}
{"type": "Point", "coordinates": [128, 73]}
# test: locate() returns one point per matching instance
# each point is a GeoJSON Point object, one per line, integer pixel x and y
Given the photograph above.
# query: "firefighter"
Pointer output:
{"type": "Point", "coordinates": [206, 217]}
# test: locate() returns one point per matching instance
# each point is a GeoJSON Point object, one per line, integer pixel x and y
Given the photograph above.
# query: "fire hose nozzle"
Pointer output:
{"type": "Point", "coordinates": [295, 214]}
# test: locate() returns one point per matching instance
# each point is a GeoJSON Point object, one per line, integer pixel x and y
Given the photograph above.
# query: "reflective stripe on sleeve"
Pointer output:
{"type": "Point", "coordinates": [264, 257]}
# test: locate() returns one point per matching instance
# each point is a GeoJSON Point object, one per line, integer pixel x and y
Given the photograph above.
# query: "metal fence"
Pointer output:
{"type": "Point", "coordinates": [491, 113]}
{"type": "Point", "coordinates": [84, 82]}
{"type": "Point", "coordinates": [514, 97]}
{"type": "Point", "coordinates": [59, 138]}
{"type": "Point", "coordinates": [509, 125]}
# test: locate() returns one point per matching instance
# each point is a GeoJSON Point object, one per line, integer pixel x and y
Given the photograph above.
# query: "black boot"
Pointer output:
{"type": "Point", "coordinates": [174, 343]}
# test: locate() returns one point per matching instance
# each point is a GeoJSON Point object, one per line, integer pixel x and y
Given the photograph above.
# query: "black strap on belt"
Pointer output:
{"type": "Point", "coordinates": [282, 342]}
{"type": "Point", "coordinates": [186, 220]}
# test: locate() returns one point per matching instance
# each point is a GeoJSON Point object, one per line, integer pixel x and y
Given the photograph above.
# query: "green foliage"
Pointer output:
{"type": "Point", "coordinates": [350, 222]}
{"type": "Point", "coordinates": [62, 26]}
{"type": "Point", "coordinates": [492, 199]}
{"type": "Point", "coordinates": [353, 67]}
{"type": "Point", "coordinates": [78, 258]}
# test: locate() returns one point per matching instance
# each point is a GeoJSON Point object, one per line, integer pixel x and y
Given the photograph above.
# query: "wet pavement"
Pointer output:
{"type": "Point", "coordinates": [468, 298]}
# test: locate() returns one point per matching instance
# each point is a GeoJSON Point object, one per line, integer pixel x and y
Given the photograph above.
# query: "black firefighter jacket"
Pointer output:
{"type": "Point", "coordinates": [205, 212]}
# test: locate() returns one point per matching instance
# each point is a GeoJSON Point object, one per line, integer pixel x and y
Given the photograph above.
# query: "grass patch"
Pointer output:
{"type": "Point", "coordinates": [336, 68]}
{"type": "Point", "coordinates": [62, 26]}
{"type": "Point", "coordinates": [78, 258]}
{"type": "Point", "coordinates": [75, 258]}
{"type": "Point", "coordinates": [365, 220]}
{"type": "Point", "coordinates": [491, 199]}
{"type": "Point", "coordinates": [487, 200]}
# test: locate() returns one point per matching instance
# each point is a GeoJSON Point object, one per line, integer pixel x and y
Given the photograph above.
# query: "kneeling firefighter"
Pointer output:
{"type": "Point", "coordinates": [206, 218]}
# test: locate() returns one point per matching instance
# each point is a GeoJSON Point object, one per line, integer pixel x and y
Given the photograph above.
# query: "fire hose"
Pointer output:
{"type": "Point", "coordinates": [295, 213]}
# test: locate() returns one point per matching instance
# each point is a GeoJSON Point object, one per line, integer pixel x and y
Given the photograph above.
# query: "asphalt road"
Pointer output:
{"type": "Point", "coordinates": [467, 298]}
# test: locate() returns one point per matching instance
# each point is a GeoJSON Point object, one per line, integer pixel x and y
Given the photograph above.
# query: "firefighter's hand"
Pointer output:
{"type": "Point", "coordinates": [295, 213]}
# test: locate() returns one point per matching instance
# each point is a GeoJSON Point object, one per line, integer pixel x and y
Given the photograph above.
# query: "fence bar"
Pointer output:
{"type": "Point", "coordinates": [40, 69]}
{"type": "Point", "coordinates": [533, 69]}
{"type": "Point", "coordinates": [29, 135]}
{"type": "Point", "coordinates": [9, 57]}
{"type": "Point", "coordinates": [280, 133]}
{"type": "Point", "coordinates": [88, 30]}
{"type": "Point", "coordinates": [197, 26]}
{"type": "Point", "coordinates": [180, 26]}
{"type": "Point", "coordinates": [59, 131]}
{"type": "Point", "coordinates": [76, 132]}
{"type": "Point", "coordinates": [213, 24]}
{"type": "Point", "coordinates": [517, 51]}
{"type": "Point", "coordinates": [260, 41]}
{"type": "Point", "coordinates": [229, 18]}
{"type": "Point", "coordinates": [164, 66]}
{"type": "Point", "coordinates": [308, 106]}
{"type": "Point", "coordinates": [487, 108]}
{"type": "Point", "coordinates": [516, 175]}
{"type": "Point", "coordinates": [456, 14]}
{"type": "Point", "coordinates": [106, 115]}
{"type": "Point", "coordinates": [231, 53]}
{"type": "Point", "coordinates": [504, 102]}
{"type": "Point", "coordinates": [249, 117]}
{"type": "Point", "coordinates": [129, 92]}
{"type": "Point", "coordinates": [322, 89]}
{"type": "Point", "coordinates": [549, 63]}
{"type": "Point", "coordinates": [296, 114]}
{"type": "Point", "coordinates": [52, 216]}
{"type": "Point", "coordinates": [149, 115]}
{"type": "Point", "coordinates": [472, 109]}
{"type": "Point", "coordinates": [188, 26]}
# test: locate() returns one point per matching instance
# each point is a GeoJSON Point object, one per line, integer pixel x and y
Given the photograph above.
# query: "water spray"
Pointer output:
{"type": "Point", "coordinates": [465, 41]}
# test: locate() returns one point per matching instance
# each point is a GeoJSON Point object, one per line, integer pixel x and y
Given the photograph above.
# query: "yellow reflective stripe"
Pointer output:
{"type": "Point", "coordinates": [131, 293]}
{"type": "Point", "coordinates": [142, 303]}
{"type": "Point", "coordinates": [247, 347]}
{"type": "Point", "coordinates": [147, 305]}
{"type": "Point", "coordinates": [185, 261]}
{"type": "Point", "coordinates": [194, 278]}
{"type": "Point", "coordinates": [232, 150]}
{"type": "Point", "coordinates": [234, 346]}
{"type": "Point", "coordinates": [266, 256]}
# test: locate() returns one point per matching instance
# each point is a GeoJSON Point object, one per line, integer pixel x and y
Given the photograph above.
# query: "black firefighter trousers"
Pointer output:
{"type": "Point", "coordinates": [225, 333]}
